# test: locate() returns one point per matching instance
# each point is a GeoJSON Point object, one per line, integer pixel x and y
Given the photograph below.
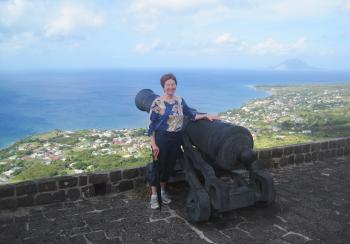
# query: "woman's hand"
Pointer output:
{"type": "Point", "coordinates": [155, 151]}
{"type": "Point", "coordinates": [212, 117]}
{"type": "Point", "coordinates": [206, 116]}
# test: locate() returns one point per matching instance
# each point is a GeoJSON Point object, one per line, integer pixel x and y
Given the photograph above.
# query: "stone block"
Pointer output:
{"type": "Point", "coordinates": [277, 152]}
{"type": "Point", "coordinates": [327, 154]}
{"type": "Point", "coordinates": [264, 163]}
{"type": "Point", "coordinates": [43, 198]}
{"type": "Point", "coordinates": [49, 185]}
{"type": "Point", "coordinates": [142, 171]}
{"type": "Point", "coordinates": [27, 187]}
{"type": "Point", "coordinates": [332, 144]}
{"type": "Point", "coordinates": [68, 181]}
{"type": "Point", "coordinates": [341, 143]}
{"type": "Point", "coordinates": [130, 173]}
{"type": "Point", "coordinates": [321, 156]}
{"type": "Point", "coordinates": [340, 152]}
{"type": "Point", "coordinates": [275, 162]}
{"type": "Point", "coordinates": [300, 158]}
{"type": "Point", "coordinates": [82, 180]}
{"type": "Point", "coordinates": [88, 191]}
{"type": "Point", "coordinates": [308, 157]}
{"type": "Point", "coordinates": [10, 203]}
{"type": "Point", "coordinates": [347, 150]}
{"type": "Point", "coordinates": [108, 188]}
{"type": "Point", "coordinates": [334, 152]}
{"type": "Point", "coordinates": [348, 141]}
{"type": "Point", "coordinates": [73, 194]}
{"type": "Point", "coordinates": [298, 149]}
{"type": "Point", "coordinates": [315, 147]}
{"type": "Point", "coordinates": [7, 191]}
{"type": "Point", "coordinates": [140, 182]}
{"type": "Point", "coordinates": [25, 200]}
{"type": "Point", "coordinates": [314, 156]}
{"type": "Point", "coordinates": [291, 159]}
{"type": "Point", "coordinates": [59, 196]}
{"type": "Point", "coordinates": [288, 150]}
{"type": "Point", "coordinates": [264, 154]}
{"type": "Point", "coordinates": [98, 178]}
{"type": "Point", "coordinates": [96, 237]}
{"type": "Point", "coordinates": [125, 185]}
{"type": "Point", "coordinates": [115, 176]}
{"type": "Point", "coordinates": [324, 146]}
{"type": "Point", "coordinates": [283, 161]}
{"type": "Point", "coordinates": [306, 148]}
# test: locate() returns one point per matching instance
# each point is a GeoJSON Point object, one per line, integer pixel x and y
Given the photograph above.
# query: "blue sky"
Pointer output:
{"type": "Point", "coordinates": [229, 34]}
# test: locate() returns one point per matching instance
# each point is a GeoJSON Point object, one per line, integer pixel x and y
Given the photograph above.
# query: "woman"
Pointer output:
{"type": "Point", "coordinates": [165, 125]}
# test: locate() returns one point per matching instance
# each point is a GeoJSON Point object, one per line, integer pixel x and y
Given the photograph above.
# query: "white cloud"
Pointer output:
{"type": "Point", "coordinates": [270, 46]}
{"type": "Point", "coordinates": [327, 52]}
{"type": "Point", "coordinates": [157, 13]}
{"type": "Point", "coordinates": [226, 43]}
{"type": "Point", "coordinates": [147, 15]}
{"type": "Point", "coordinates": [346, 6]}
{"type": "Point", "coordinates": [158, 7]}
{"type": "Point", "coordinates": [273, 10]}
{"type": "Point", "coordinates": [72, 18]}
{"type": "Point", "coordinates": [239, 8]}
{"type": "Point", "coordinates": [145, 28]}
{"type": "Point", "coordinates": [229, 42]}
{"type": "Point", "coordinates": [225, 38]}
{"type": "Point", "coordinates": [305, 8]}
{"type": "Point", "coordinates": [11, 11]}
{"type": "Point", "coordinates": [14, 43]}
{"type": "Point", "coordinates": [143, 48]}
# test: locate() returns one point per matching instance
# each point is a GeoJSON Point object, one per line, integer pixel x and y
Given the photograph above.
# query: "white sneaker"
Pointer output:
{"type": "Point", "coordinates": [165, 197]}
{"type": "Point", "coordinates": [154, 202]}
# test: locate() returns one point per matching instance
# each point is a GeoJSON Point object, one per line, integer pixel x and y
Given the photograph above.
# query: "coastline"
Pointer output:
{"type": "Point", "coordinates": [294, 114]}
{"type": "Point", "coordinates": [268, 89]}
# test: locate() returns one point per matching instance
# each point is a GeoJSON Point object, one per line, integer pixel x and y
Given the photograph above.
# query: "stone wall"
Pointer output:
{"type": "Point", "coordinates": [73, 187]}
{"type": "Point", "coordinates": [300, 153]}
{"type": "Point", "coordinates": [69, 188]}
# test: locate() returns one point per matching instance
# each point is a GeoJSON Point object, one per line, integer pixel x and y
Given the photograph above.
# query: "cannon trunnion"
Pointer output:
{"type": "Point", "coordinates": [217, 163]}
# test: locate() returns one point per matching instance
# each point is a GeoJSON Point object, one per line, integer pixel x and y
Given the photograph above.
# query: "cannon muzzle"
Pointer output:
{"type": "Point", "coordinates": [144, 99]}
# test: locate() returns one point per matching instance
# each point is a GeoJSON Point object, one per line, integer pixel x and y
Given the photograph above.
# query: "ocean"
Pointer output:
{"type": "Point", "coordinates": [34, 102]}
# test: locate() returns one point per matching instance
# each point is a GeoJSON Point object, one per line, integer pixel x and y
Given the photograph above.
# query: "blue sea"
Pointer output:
{"type": "Point", "coordinates": [35, 102]}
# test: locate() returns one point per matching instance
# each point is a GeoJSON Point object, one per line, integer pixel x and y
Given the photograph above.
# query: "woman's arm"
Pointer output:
{"type": "Point", "coordinates": [197, 116]}
{"type": "Point", "coordinates": [155, 148]}
{"type": "Point", "coordinates": [206, 116]}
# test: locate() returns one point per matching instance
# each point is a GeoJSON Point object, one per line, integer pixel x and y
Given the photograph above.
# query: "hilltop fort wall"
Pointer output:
{"type": "Point", "coordinates": [74, 187]}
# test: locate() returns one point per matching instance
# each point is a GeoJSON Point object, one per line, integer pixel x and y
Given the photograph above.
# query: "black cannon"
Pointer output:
{"type": "Point", "coordinates": [218, 165]}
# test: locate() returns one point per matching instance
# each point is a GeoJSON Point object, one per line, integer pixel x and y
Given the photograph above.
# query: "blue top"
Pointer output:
{"type": "Point", "coordinates": [168, 116]}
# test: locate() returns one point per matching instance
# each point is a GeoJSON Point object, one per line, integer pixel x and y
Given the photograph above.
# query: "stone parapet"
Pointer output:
{"type": "Point", "coordinates": [73, 187]}
{"type": "Point", "coordinates": [69, 188]}
{"type": "Point", "coordinates": [300, 153]}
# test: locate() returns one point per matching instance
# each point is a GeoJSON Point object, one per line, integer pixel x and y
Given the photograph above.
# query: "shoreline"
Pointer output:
{"type": "Point", "coordinates": [295, 114]}
{"type": "Point", "coordinates": [266, 88]}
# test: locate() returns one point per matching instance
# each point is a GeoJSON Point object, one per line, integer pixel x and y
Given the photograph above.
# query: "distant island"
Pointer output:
{"type": "Point", "coordinates": [290, 115]}
{"type": "Point", "coordinates": [293, 65]}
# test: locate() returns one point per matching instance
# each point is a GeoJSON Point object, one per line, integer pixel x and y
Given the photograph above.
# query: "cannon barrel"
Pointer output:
{"type": "Point", "coordinates": [144, 99]}
{"type": "Point", "coordinates": [226, 146]}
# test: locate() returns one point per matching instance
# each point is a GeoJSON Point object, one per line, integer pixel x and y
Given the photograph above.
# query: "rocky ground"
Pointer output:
{"type": "Point", "coordinates": [312, 206]}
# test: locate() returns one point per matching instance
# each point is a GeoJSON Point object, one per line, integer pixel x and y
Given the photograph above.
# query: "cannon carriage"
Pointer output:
{"type": "Point", "coordinates": [218, 165]}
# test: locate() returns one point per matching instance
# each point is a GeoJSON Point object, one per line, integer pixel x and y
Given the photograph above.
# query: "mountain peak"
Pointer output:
{"type": "Point", "coordinates": [293, 64]}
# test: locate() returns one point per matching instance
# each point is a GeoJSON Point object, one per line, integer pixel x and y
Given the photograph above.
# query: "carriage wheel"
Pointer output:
{"type": "Point", "coordinates": [264, 188]}
{"type": "Point", "coordinates": [198, 205]}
